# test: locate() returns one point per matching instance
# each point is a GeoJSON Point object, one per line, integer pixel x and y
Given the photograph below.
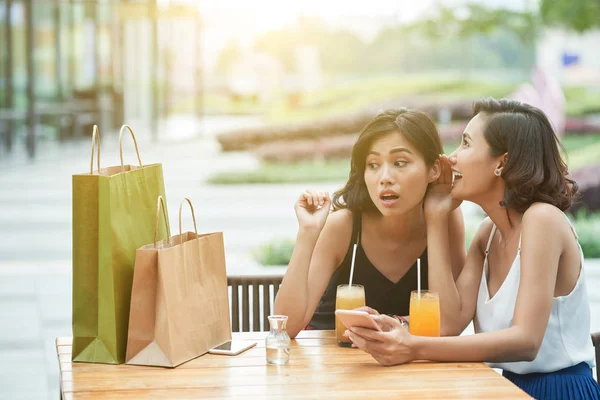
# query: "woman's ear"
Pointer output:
{"type": "Point", "coordinates": [501, 164]}
{"type": "Point", "coordinates": [434, 171]}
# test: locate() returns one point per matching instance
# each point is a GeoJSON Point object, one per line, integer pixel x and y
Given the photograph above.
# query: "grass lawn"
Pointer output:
{"type": "Point", "coordinates": [286, 173]}
{"type": "Point", "coordinates": [353, 96]}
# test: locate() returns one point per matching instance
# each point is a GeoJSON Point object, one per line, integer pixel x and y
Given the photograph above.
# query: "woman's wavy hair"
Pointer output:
{"type": "Point", "coordinates": [414, 125]}
{"type": "Point", "coordinates": [535, 170]}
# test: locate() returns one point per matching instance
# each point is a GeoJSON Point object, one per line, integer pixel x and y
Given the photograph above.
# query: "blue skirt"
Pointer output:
{"type": "Point", "coordinates": [575, 382]}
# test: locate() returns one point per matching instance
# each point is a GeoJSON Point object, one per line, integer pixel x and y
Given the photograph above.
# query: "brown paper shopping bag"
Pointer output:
{"type": "Point", "coordinates": [113, 216]}
{"type": "Point", "coordinates": [179, 300]}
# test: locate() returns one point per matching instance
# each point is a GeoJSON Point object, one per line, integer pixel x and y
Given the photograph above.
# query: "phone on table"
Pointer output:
{"type": "Point", "coordinates": [355, 318]}
{"type": "Point", "coordinates": [232, 348]}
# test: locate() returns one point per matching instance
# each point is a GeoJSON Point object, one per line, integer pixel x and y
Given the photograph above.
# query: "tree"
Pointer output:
{"type": "Point", "coordinates": [579, 15]}
{"type": "Point", "coordinates": [471, 19]}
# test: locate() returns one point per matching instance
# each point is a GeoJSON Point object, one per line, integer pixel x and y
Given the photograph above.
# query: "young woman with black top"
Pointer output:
{"type": "Point", "coordinates": [380, 209]}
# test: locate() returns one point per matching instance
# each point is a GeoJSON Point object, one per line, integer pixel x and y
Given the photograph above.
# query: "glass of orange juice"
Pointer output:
{"type": "Point", "coordinates": [348, 297]}
{"type": "Point", "coordinates": [424, 313]}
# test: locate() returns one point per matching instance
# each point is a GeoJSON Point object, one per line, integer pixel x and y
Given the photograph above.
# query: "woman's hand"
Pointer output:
{"type": "Point", "coordinates": [312, 209]}
{"type": "Point", "coordinates": [390, 347]}
{"type": "Point", "coordinates": [438, 200]}
{"type": "Point", "coordinates": [368, 310]}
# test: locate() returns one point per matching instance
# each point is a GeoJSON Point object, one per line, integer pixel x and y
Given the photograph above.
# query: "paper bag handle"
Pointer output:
{"type": "Point", "coordinates": [95, 138]}
{"type": "Point", "coordinates": [121, 145]}
{"type": "Point", "coordinates": [193, 217]}
{"type": "Point", "coordinates": [159, 206]}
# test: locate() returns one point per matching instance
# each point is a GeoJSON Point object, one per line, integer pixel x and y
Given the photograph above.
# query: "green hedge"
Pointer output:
{"type": "Point", "coordinates": [588, 229]}
{"type": "Point", "coordinates": [587, 226]}
{"type": "Point", "coordinates": [278, 252]}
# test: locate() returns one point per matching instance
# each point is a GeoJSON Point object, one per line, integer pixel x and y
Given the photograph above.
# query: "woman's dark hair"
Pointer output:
{"type": "Point", "coordinates": [414, 125]}
{"type": "Point", "coordinates": [535, 170]}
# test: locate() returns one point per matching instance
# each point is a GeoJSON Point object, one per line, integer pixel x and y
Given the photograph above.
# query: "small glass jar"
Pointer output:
{"type": "Point", "coordinates": [278, 341]}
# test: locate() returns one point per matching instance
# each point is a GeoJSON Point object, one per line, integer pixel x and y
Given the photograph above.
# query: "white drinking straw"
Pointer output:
{"type": "Point", "coordinates": [352, 265]}
{"type": "Point", "coordinates": [418, 278]}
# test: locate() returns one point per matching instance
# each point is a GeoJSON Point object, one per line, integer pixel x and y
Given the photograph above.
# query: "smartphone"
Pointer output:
{"type": "Point", "coordinates": [232, 348]}
{"type": "Point", "coordinates": [353, 318]}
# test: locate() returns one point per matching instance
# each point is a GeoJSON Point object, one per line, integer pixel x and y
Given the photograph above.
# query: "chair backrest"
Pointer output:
{"type": "Point", "coordinates": [258, 290]}
{"type": "Point", "coordinates": [596, 341]}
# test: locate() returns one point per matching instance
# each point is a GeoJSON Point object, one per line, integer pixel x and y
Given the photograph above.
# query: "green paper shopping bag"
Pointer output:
{"type": "Point", "coordinates": [113, 216]}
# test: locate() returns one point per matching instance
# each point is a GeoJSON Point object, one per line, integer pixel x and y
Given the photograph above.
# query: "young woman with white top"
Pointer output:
{"type": "Point", "coordinates": [523, 283]}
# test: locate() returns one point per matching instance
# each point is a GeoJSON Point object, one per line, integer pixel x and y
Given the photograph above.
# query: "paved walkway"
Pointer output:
{"type": "Point", "coordinates": [35, 232]}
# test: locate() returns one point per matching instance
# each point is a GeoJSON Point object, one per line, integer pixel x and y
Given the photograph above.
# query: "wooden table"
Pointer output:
{"type": "Point", "coordinates": [318, 369]}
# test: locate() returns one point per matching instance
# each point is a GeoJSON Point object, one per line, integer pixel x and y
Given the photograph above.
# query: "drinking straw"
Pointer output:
{"type": "Point", "coordinates": [352, 265]}
{"type": "Point", "coordinates": [418, 278]}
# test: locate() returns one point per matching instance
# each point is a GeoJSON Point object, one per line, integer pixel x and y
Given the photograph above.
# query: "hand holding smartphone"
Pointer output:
{"type": "Point", "coordinates": [232, 348]}
{"type": "Point", "coordinates": [354, 318]}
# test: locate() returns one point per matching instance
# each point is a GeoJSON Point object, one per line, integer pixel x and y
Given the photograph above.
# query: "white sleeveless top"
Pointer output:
{"type": "Point", "coordinates": [567, 339]}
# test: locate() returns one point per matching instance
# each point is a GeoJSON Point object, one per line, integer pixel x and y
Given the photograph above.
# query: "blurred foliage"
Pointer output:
{"type": "Point", "coordinates": [574, 143]}
{"type": "Point", "coordinates": [402, 48]}
{"type": "Point", "coordinates": [582, 100]}
{"type": "Point", "coordinates": [348, 97]}
{"type": "Point", "coordinates": [468, 36]}
{"type": "Point", "coordinates": [341, 99]}
{"type": "Point", "coordinates": [306, 172]}
{"type": "Point", "coordinates": [584, 155]}
{"type": "Point", "coordinates": [275, 253]}
{"type": "Point", "coordinates": [579, 15]}
{"type": "Point", "coordinates": [472, 19]}
{"type": "Point", "coordinates": [437, 87]}
{"type": "Point", "coordinates": [587, 226]}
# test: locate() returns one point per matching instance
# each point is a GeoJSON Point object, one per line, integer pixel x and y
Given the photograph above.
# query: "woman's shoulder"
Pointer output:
{"type": "Point", "coordinates": [545, 217]}
{"type": "Point", "coordinates": [544, 212]}
{"type": "Point", "coordinates": [337, 232]}
{"type": "Point", "coordinates": [341, 220]}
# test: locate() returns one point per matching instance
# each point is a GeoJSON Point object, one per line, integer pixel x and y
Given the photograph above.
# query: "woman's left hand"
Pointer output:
{"type": "Point", "coordinates": [438, 199]}
{"type": "Point", "coordinates": [390, 347]}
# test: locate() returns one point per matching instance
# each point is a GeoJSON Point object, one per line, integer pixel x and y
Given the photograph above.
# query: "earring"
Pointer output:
{"type": "Point", "coordinates": [497, 172]}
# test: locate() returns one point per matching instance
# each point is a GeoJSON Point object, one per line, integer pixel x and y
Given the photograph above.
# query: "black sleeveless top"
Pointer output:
{"type": "Point", "coordinates": [381, 294]}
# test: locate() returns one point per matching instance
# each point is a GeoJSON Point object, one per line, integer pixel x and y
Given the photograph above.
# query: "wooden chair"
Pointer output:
{"type": "Point", "coordinates": [259, 289]}
{"type": "Point", "coordinates": [596, 341]}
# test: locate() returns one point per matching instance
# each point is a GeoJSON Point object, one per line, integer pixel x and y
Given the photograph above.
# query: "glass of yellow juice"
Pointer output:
{"type": "Point", "coordinates": [424, 313]}
{"type": "Point", "coordinates": [347, 298]}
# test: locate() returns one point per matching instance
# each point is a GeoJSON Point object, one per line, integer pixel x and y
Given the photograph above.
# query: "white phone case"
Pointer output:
{"type": "Point", "coordinates": [352, 318]}
{"type": "Point", "coordinates": [241, 347]}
